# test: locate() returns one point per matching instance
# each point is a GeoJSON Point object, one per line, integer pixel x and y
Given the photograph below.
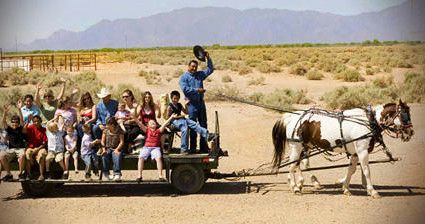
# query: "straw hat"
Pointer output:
{"type": "Point", "coordinates": [104, 92]}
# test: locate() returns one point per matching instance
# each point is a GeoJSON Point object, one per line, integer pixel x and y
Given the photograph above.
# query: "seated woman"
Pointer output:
{"type": "Point", "coordinates": [131, 127]}
{"type": "Point", "coordinates": [148, 110]}
{"type": "Point", "coordinates": [87, 112]}
{"type": "Point", "coordinates": [112, 144]}
{"type": "Point", "coordinates": [16, 143]}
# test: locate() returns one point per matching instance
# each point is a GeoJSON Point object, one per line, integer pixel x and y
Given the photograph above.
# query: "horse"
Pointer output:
{"type": "Point", "coordinates": [354, 132]}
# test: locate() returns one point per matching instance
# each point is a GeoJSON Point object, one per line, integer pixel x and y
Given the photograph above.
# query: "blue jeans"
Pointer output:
{"type": "Point", "coordinates": [116, 162]}
{"type": "Point", "coordinates": [198, 113]}
{"type": "Point", "coordinates": [97, 132]}
{"type": "Point", "coordinates": [92, 162]}
{"type": "Point", "coordinates": [184, 124]}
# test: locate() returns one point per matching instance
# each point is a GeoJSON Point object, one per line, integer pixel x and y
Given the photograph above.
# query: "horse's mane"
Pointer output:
{"type": "Point", "coordinates": [390, 104]}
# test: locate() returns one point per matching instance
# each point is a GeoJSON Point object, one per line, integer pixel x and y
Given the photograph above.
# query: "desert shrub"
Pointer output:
{"type": "Point", "coordinates": [10, 96]}
{"type": "Point", "coordinates": [151, 77]}
{"type": "Point", "coordinates": [347, 98]}
{"type": "Point", "coordinates": [257, 81]}
{"type": "Point", "coordinates": [413, 87]}
{"type": "Point", "coordinates": [244, 70]}
{"type": "Point", "coordinates": [371, 71]}
{"type": "Point", "coordinates": [177, 73]}
{"type": "Point", "coordinates": [267, 68]}
{"type": "Point", "coordinates": [349, 75]}
{"type": "Point", "coordinates": [383, 82]}
{"type": "Point", "coordinates": [314, 75]}
{"type": "Point", "coordinates": [298, 69]}
{"type": "Point", "coordinates": [387, 69]}
{"type": "Point", "coordinates": [226, 78]}
{"type": "Point", "coordinates": [253, 62]}
{"type": "Point", "coordinates": [3, 78]}
{"type": "Point", "coordinates": [283, 98]}
{"type": "Point", "coordinates": [217, 93]}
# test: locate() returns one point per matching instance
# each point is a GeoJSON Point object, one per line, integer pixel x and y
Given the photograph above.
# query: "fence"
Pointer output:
{"type": "Point", "coordinates": [50, 62]}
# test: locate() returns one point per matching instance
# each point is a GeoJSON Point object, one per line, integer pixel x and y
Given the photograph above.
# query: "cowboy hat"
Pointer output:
{"type": "Point", "coordinates": [199, 52]}
{"type": "Point", "coordinates": [104, 92]}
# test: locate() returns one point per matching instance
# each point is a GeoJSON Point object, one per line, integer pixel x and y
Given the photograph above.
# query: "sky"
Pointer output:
{"type": "Point", "coordinates": [23, 21]}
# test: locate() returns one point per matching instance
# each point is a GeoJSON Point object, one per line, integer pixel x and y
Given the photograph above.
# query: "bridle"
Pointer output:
{"type": "Point", "coordinates": [390, 128]}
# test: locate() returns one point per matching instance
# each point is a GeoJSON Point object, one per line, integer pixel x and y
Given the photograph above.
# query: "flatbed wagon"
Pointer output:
{"type": "Point", "coordinates": [186, 173]}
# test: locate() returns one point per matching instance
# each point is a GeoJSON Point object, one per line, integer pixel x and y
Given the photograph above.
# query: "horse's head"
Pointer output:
{"type": "Point", "coordinates": [395, 119]}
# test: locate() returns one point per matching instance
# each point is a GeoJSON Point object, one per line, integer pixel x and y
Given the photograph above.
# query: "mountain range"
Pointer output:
{"type": "Point", "coordinates": [227, 26]}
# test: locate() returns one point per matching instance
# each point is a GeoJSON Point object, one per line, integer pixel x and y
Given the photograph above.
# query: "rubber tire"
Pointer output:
{"type": "Point", "coordinates": [187, 178]}
{"type": "Point", "coordinates": [36, 189]}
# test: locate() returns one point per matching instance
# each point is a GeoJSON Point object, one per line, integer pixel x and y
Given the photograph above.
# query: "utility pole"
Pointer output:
{"type": "Point", "coordinates": [16, 43]}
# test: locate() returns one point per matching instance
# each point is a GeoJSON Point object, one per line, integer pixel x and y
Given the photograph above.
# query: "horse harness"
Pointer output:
{"type": "Point", "coordinates": [372, 124]}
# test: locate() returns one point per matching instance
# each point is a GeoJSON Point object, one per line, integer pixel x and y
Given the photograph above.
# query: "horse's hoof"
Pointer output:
{"type": "Point", "coordinates": [347, 192]}
{"type": "Point", "coordinates": [317, 186]}
{"type": "Point", "coordinates": [374, 194]}
{"type": "Point", "coordinates": [297, 191]}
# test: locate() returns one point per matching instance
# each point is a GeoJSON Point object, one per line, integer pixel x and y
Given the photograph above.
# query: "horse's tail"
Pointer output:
{"type": "Point", "coordinates": [279, 141]}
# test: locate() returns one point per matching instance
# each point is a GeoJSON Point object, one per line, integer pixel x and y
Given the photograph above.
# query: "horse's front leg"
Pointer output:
{"type": "Point", "coordinates": [350, 171]}
{"type": "Point", "coordinates": [364, 162]}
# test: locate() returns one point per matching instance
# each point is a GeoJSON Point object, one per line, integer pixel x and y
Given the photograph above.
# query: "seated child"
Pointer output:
{"type": "Point", "coordinates": [183, 124]}
{"type": "Point", "coordinates": [15, 147]}
{"type": "Point", "coordinates": [55, 146]}
{"type": "Point", "coordinates": [112, 144]}
{"type": "Point", "coordinates": [152, 146]}
{"type": "Point", "coordinates": [36, 147]}
{"type": "Point", "coordinates": [122, 115]}
{"type": "Point", "coordinates": [88, 154]}
{"type": "Point", "coordinates": [71, 148]}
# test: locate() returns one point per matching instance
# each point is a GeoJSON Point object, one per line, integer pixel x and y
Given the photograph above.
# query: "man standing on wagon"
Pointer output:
{"type": "Point", "coordinates": [191, 83]}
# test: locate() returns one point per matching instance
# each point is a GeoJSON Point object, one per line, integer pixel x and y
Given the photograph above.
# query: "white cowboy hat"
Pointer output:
{"type": "Point", "coordinates": [104, 92]}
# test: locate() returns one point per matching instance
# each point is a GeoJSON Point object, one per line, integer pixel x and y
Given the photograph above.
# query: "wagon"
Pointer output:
{"type": "Point", "coordinates": [186, 173]}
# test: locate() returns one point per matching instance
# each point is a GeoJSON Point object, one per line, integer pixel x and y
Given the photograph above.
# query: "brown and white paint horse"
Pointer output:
{"type": "Point", "coordinates": [326, 131]}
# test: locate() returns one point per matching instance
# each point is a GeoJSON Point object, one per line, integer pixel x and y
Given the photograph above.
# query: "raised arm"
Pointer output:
{"type": "Point", "coordinates": [210, 67]}
{"type": "Point", "coordinates": [19, 105]}
{"type": "Point", "coordinates": [37, 100]}
{"type": "Point", "coordinates": [5, 112]}
{"type": "Point", "coordinates": [162, 128]}
{"type": "Point", "coordinates": [62, 92]}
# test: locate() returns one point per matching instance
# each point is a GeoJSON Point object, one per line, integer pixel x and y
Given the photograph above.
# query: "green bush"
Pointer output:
{"type": "Point", "coordinates": [413, 87]}
{"type": "Point", "coordinates": [298, 69]}
{"type": "Point", "coordinates": [244, 70]}
{"type": "Point", "coordinates": [314, 75]}
{"type": "Point", "coordinates": [347, 98]}
{"type": "Point", "coordinates": [383, 82]}
{"type": "Point", "coordinates": [283, 98]}
{"type": "Point", "coordinates": [349, 75]}
{"type": "Point", "coordinates": [257, 81]}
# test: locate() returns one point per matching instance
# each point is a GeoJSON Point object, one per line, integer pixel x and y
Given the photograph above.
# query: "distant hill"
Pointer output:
{"type": "Point", "coordinates": [226, 26]}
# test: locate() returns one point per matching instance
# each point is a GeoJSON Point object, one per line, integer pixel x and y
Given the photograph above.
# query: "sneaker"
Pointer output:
{"type": "Point", "coordinates": [139, 179]}
{"type": "Point", "coordinates": [8, 177]}
{"type": "Point", "coordinates": [211, 136]}
{"type": "Point", "coordinates": [22, 176]}
{"type": "Point", "coordinates": [41, 178]}
{"type": "Point", "coordinates": [87, 177]}
{"type": "Point", "coordinates": [65, 175]}
{"type": "Point", "coordinates": [96, 173]}
{"type": "Point", "coordinates": [105, 177]}
{"type": "Point", "coordinates": [184, 152]}
{"type": "Point", "coordinates": [117, 177]}
{"type": "Point", "coordinates": [47, 175]}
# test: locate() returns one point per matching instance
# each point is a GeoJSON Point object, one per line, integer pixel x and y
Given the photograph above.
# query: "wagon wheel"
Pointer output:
{"type": "Point", "coordinates": [187, 178]}
{"type": "Point", "coordinates": [36, 189]}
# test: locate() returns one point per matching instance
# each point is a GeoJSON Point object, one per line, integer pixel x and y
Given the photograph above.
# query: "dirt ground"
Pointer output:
{"type": "Point", "coordinates": [246, 134]}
